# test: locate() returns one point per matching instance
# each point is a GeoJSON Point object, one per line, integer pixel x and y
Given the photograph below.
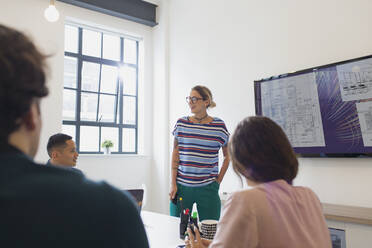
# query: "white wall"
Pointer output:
{"type": "Point", "coordinates": [28, 16]}
{"type": "Point", "coordinates": [226, 45]}
{"type": "Point", "coordinates": [160, 169]}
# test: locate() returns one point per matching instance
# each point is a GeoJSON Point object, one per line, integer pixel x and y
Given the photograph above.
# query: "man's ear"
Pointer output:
{"type": "Point", "coordinates": [54, 154]}
{"type": "Point", "coordinates": [32, 117]}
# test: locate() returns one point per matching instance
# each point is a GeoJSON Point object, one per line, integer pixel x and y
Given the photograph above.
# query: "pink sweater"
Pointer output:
{"type": "Point", "coordinates": [274, 214]}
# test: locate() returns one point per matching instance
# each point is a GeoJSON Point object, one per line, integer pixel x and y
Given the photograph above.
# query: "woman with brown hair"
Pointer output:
{"type": "Point", "coordinates": [274, 213]}
{"type": "Point", "coordinates": [195, 163]}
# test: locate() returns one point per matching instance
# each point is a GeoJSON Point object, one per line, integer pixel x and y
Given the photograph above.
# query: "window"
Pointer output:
{"type": "Point", "coordinates": [100, 98]}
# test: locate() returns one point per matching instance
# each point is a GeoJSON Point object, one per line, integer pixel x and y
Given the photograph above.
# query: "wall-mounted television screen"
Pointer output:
{"type": "Point", "coordinates": [325, 110]}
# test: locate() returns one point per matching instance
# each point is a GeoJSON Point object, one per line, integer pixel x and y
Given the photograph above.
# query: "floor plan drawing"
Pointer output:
{"type": "Point", "coordinates": [355, 80]}
{"type": "Point", "coordinates": [293, 103]}
{"type": "Point", "coordinates": [365, 120]}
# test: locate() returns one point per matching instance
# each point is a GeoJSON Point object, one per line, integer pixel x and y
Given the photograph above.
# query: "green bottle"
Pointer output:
{"type": "Point", "coordinates": [194, 219]}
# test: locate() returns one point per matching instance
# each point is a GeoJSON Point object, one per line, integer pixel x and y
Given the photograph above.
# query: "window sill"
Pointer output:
{"type": "Point", "coordinates": [113, 156]}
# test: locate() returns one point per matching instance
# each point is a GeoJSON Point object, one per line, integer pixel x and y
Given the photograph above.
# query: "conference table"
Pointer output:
{"type": "Point", "coordinates": [162, 230]}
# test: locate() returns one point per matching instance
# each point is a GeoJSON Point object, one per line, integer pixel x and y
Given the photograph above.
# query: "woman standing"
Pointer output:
{"type": "Point", "coordinates": [197, 141]}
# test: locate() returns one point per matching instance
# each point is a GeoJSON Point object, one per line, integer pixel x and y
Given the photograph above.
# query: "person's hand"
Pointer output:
{"type": "Point", "coordinates": [218, 180]}
{"type": "Point", "coordinates": [173, 191]}
{"type": "Point", "coordinates": [196, 241]}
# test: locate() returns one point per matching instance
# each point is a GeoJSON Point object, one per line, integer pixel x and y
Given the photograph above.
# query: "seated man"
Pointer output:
{"type": "Point", "coordinates": [46, 206]}
{"type": "Point", "coordinates": [62, 151]}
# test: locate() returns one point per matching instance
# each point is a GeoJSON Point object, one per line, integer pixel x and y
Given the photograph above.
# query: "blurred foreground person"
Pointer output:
{"type": "Point", "coordinates": [45, 206]}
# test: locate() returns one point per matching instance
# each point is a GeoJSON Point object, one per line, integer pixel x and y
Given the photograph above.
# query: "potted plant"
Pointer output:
{"type": "Point", "coordinates": [106, 145]}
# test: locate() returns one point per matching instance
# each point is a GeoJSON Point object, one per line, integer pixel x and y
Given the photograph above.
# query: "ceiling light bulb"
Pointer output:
{"type": "Point", "coordinates": [51, 13]}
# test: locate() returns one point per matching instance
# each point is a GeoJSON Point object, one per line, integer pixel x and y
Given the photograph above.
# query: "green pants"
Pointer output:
{"type": "Point", "coordinates": [206, 197]}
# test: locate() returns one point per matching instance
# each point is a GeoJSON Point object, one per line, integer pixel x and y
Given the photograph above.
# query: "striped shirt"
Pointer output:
{"type": "Point", "coordinates": [198, 150]}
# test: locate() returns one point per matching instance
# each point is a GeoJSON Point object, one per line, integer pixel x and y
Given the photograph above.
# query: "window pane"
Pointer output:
{"type": "Point", "coordinates": [109, 79]}
{"type": "Point", "coordinates": [90, 76]}
{"type": "Point", "coordinates": [70, 72]}
{"type": "Point", "coordinates": [69, 105]}
{"type": "Point", "coordinates": [71, 39]}
{"type": "Point", "coordinates": [111, 47]}
{"type": "Point", "coordinates": [129, 77]}
{"type": "Point", "coordinates": [110, 133]}
{"type": "Point", "coordinates": [91, 43]}
{"type": "Point", "coordinates": [129, 110]}
{"type": "Point", "coordinates": [106, 108]}
{"type": "Point", "coordinates": [69, 130]}
{"type": "Point", "coordinates": [129, 140]}
{"type": "Point", "coordinates": [89, 103]}
{"type": "Point", "coordinates": [130, 51]}
{"type": "Point", "coordinates": [89, 139]}
{"type": "Point", "coordinates": [118, 111]}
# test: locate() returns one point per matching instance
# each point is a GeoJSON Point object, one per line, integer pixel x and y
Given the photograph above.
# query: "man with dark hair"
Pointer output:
{"type": "Point", "coordinates": [46, 206]}
{"type": "Point", "coordinates": [62, 151]}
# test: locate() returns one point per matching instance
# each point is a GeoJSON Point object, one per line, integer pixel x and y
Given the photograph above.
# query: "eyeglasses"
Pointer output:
{"type": "Point", "coordinates": [193, 99]}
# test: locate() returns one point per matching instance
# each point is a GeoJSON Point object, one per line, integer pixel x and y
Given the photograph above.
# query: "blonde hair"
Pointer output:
{"type": "Point", "coordinates": [206, 94]}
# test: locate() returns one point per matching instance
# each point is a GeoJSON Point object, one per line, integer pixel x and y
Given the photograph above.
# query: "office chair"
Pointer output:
{"type": "Point", "coordinates": [137, 195]}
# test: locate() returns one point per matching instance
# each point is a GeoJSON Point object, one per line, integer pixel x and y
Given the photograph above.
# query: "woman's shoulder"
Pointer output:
{"type": "Point", "coordinates": [219, 123]}
{"type": "Point", "coordinates": [217, 119]}
{"type": "Point", "coordinates": [260, 191]}
{"type": "Point", "coordinates": [244, 202]}
{"type": "Point", "coordinates": [248, 196]}
{"type": "Point", "coordinates": [305, 192]}
{"type": "Point", "coordinates": [300, 192]}
{"type": "Point", "coordinates": [183, 119]}
{"type": "Point", "coordinates": [282, 185]}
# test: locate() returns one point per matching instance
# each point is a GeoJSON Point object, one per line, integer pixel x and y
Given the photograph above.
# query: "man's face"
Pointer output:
{"type": "Point", "coordinates": [67, 155]}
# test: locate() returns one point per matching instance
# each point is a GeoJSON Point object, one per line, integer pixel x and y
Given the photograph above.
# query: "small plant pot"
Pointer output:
{"type": "Point", "coordinates": [106, 150]}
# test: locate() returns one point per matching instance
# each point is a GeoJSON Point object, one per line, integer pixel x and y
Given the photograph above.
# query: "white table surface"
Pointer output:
{"type": "Point", "coordinates": [162, 230]}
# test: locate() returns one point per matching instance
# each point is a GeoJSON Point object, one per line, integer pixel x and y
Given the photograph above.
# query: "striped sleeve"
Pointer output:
{"type": "Point", "coordinates": [226, 136]}
{"type": "Point", "coordinates": [176, 128]}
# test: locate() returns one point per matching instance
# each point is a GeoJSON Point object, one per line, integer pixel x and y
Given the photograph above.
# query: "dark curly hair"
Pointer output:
{"type": "Point", "coordinates": [261, 151]}
{"type": "Point", "coordinates": [22, 78]}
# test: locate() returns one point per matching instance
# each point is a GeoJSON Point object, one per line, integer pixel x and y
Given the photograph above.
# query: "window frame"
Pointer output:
{"type": "Point", "coordinates": [119, 95]}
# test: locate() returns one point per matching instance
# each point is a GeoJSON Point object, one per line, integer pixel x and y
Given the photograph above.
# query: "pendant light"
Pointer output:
{"type": "Point", "coordinates": [51, 13]}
